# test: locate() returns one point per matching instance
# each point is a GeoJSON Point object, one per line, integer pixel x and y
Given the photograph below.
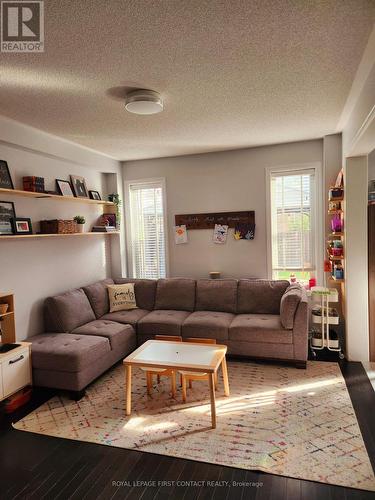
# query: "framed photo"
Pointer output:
{"type": "Point", "coordinates": [64, 187]}
{"type": "Point", "coordinates": [7, 213]}
{"type": "Point", "coordinates": [109, 219]}
{"type": "Point", "coordinates": [5, 178]}
{"type": "Point", "coordinates": [94, 195]}
{"type": "Point", "coordinates": [79, 186]}
{"type": "Point", "coordinates": [22, 225]}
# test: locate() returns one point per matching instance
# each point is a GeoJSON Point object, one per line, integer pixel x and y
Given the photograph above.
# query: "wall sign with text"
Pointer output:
{"type": "Point", "coordinates": [208, 221]}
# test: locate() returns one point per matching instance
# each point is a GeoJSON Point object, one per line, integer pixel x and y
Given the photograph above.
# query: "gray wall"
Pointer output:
{"type": "Point", "coordinates": [33, 269]}
{"type": "Point", "coordinates": [218, 182]}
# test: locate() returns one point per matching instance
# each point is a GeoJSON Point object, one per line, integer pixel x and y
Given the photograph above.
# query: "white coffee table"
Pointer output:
{"type": "Point", "coordinates": [199, 358]}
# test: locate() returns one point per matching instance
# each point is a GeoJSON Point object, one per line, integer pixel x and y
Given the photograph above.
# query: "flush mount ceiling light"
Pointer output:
{"type": "Point", "coordinates": [144, 102]}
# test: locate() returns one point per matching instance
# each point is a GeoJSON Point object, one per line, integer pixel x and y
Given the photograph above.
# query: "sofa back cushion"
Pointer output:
{"type": "Point", "coordinates": [216, 295]}
{"type": "Point", "coordinates": [97, 294]}
{"type": "Point", "coordinates": [288, 306]}
{"type": "Point", "coordinates": [260, 296]}
{"type": "Point", "coordinates": [144, 290]}
{"type": "Point", "coordinates": [65, 312]}
{"type": "Point", "coordinates": [175, 293]}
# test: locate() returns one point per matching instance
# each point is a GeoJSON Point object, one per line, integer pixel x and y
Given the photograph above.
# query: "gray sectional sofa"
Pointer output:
{"type": "Point", "coordinates": [255, 318]}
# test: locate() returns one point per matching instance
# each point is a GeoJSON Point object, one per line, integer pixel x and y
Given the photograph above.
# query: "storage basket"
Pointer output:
{"type": "Point", "coordinates": [58, 226]}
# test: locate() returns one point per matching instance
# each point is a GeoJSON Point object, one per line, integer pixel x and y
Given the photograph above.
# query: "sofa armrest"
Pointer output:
{"type": "Point", "coordinates": [300, 329]}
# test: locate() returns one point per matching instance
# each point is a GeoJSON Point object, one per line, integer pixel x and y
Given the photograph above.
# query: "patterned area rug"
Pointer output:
{"type": "Point", "coordinates": [278, 419]}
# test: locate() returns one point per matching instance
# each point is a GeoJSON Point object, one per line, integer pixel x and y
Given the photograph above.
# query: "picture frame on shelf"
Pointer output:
{"type": "Point", "coordinates": [95, 195]}
{"type": "Point", "coordinates": [22, 225]}
{"type": "Point", "coordinates": [7, 213]}
{"type": "Point", "coordinates": [79, 186]}
{"type": "Point", "coordinates": [5, 177]}
{"type": "Point", "coordinates": [109, 220]}
{"type": "Point", "coordinates": [64, 188]}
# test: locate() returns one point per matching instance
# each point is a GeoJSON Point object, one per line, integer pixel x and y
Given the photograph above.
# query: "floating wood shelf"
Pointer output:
{"type": "Point", "coordinates": [337, 280]}
{"type": "Point", "coordinates": [339, 198]}
{"type": "Point", "coordinates": [336, 257]}
{"type": "Point", "coordinates": [6, 314]}
{"type": "Point", "coordinates": [27, 236]}
{"type": "Point", "coordinates": [44, 196]}
{"type": "Point", "coordinates": [338, 235]}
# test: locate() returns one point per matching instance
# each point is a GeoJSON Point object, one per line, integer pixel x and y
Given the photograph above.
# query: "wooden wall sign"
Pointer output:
{"type": "Point", "coordinates": [208, 221]}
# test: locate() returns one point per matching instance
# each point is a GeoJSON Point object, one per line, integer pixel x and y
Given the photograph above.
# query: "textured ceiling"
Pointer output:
{"type": "Point", "coordinates": [232, 73]}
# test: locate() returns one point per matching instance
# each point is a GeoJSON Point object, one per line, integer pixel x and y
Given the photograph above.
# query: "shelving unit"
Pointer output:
{"type": "Point", "coordinates": [336, 235]}
{"type": "Point", "coordinates": [7, 320]}
{"type": "Point", "coordinates": [324, 341]}
{"type": "Point", "coordinates": [106, 205]}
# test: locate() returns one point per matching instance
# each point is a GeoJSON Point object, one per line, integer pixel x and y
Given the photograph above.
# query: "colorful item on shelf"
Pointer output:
{"type": "Point", "coordinates": [335, 192]}
{"type": "Point", "coordinates": [338, 272]}
{"type": "Point", "coordinates": [22, 225]}
{"type": "Point", "coordinates": [327, 266]}
{"type": "Point", "coordinates": [337, 252]}
{"type": "Point", "coordinates": [33, 184]}
{"type": "Point", "coordinates": [336, 224]}
{"type": "Point", "coordinates": [334, 206]}
{"type": "Point", "coordinates": [108, 220]}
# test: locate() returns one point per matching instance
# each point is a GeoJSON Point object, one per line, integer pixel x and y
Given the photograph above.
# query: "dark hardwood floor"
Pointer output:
{"type": "Point", "coordinates": [35, 467]}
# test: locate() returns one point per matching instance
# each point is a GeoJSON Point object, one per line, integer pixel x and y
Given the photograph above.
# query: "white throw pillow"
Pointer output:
{"type": "Point", "coordinates": [121, 297]}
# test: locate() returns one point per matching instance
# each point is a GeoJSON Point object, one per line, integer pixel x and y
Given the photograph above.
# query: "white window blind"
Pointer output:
{"type": "Point", "coordinates": [293, 224]}
{"type": "Point", "coordinates": [147, 232]}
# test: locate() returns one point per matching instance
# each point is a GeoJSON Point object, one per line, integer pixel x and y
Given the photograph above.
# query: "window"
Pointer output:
{"type": "Point", "coordinates": [147, 231]}
{"type": "Point", "coordinates": [293, 227]}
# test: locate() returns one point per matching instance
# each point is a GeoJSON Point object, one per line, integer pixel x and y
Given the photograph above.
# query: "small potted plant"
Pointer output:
{"type": "Point", "coordinates": [80, 221]}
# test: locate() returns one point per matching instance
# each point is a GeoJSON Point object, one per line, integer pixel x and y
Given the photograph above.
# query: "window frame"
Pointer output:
{"type": "Point", "coordinates": [144, 182]}
{"type": "Point", "coordinates": [318, 212]}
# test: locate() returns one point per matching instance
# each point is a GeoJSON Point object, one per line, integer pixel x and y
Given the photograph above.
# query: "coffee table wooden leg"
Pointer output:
{"type": "Point", "coordinates": [225, 376]}
{"type": "Point", "coordinates": [149, 382]}
{"type": "Point", "coordinates": [211, 380]}
{"type": "Point", "coordinates": [128, 371]}
{"type": "Point", "coordinates": [183, 378]}
{"type": "Point", "coordinates": [173, 380]}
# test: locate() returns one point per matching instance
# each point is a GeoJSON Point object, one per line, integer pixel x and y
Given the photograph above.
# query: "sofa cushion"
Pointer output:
{"type": "Point", "coordinates": [68, 311]}
{"type": "Point", "coordinates": [216, 295]}
{"type": "Point", "coordinates": [117, 334]}
{"type": "Point", "coordinates": [126, 317]}
{"type": "Point", "coordinates": [144, 291]}
{"type": "Point", "coordinates": [67, 352]}
{"type": "Point", "coordinates": [288, 305]}
{"type": "Point", "coordinates": [210, 324]}
{"type": "Point", "coordinates": [175, 294]}
{"type": "Point", "coordinates": [259, 328]}
{"type": "Point", "coordinates": [97, 294]}
{"type": "Point", "coordinates": [260, 296]}
{"type": "Point", "coordinates": [163, 322]}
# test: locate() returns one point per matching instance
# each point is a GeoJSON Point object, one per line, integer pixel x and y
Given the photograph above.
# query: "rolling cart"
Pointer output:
{"type": "Point", "coordinates": [322, 316]}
